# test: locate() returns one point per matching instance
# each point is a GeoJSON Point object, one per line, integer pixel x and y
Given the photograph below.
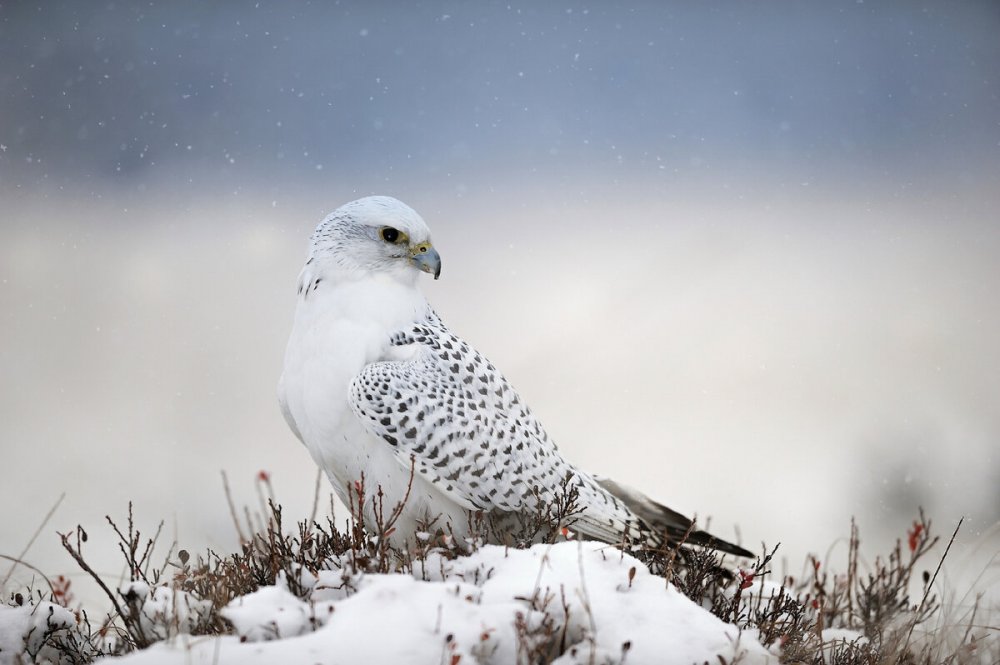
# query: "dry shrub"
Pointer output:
{"type": "Point", "coordinates": [877, 603]}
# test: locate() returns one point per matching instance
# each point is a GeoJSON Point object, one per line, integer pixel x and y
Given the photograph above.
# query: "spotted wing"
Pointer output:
{"type": "Point", "coordinates": [468, 432]}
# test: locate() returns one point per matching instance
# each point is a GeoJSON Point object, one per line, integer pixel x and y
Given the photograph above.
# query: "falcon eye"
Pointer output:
{"type": "Point", "coordinates": [389, 234]}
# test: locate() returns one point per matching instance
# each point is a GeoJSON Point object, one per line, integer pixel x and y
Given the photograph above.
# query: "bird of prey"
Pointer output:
{"type": "Point", "coordinates": [376, 386]}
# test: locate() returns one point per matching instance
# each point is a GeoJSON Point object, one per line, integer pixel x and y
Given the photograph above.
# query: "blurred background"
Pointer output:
{"type": "Point", "coordinates": [742, 256]}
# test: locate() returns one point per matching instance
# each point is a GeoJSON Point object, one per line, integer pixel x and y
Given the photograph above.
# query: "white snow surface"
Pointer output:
{"type": "Point", "coordinates": [164, 612]}
{"type": "Point", "coordinates": [487, 608]}
{"type": "Point", "coordinates": [23, 631]}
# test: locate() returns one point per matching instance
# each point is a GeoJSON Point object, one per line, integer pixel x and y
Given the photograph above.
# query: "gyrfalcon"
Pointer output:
{"type": "Point", "coordinates": [375, 385]}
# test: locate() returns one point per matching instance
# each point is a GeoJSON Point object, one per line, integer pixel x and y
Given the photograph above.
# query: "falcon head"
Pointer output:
{"type": "Point", "coordinates": [376, 234]}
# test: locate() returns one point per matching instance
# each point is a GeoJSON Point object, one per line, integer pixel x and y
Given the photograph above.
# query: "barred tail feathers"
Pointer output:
{"type": "Point", "coordinates": [660, 520]}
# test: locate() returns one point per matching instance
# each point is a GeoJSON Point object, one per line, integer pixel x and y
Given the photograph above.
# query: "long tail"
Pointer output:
{"type": "Point", "coordinates": [663, 520]}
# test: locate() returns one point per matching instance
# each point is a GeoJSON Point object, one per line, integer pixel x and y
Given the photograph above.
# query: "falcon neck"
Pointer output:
{"type": "Point", "coordinates": [386, 299]}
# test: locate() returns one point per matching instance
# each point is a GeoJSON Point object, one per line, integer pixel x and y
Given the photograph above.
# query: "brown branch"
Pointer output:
{"type": "Point", "coordinates": [90, 571]}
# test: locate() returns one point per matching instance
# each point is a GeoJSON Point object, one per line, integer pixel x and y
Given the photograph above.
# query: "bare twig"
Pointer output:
{"type": "Point", "coordinates": [585, 597]}
{"type": "Point", "coordinates": [19, 559]}
{"type": "Point", "coordinates": [18, 562]}
{"type": "Point", "coordinates": [927, 589]}
{"type": "Point", "coordinates": [315, 506]}
{"type": "Point", "coordinates": [232, 508]}
{"type": "Point", "coordinates": [940, 563]}
{"type": "Point", "coordinates": [78, 557]}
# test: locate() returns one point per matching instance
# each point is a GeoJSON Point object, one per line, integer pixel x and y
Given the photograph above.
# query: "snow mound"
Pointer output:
{"type": "Point", "coordinates": [23, 631]}
{"type": "Point", "coordinates": [163, 612]}
{"type": "Point", "coordinates": [589, 602]}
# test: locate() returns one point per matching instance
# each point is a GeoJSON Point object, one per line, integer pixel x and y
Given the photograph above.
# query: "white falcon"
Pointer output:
{"type": "Point", "coordinates": [374, 384]}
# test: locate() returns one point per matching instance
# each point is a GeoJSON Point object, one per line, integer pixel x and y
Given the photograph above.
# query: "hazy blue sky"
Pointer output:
{"type": "Point", "coordinates": [447, 92]}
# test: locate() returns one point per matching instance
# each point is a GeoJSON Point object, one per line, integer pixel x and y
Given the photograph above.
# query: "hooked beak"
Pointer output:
{"type": "Point", "coordinates": [426, 259]}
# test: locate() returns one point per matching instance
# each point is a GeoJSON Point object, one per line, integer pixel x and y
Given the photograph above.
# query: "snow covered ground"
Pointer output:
{"type": "Point", "coordinates": [588, 601]}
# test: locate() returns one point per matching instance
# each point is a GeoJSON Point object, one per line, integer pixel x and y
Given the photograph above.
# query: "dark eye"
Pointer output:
{"type": "Point", "coordinates": [389, 234]}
